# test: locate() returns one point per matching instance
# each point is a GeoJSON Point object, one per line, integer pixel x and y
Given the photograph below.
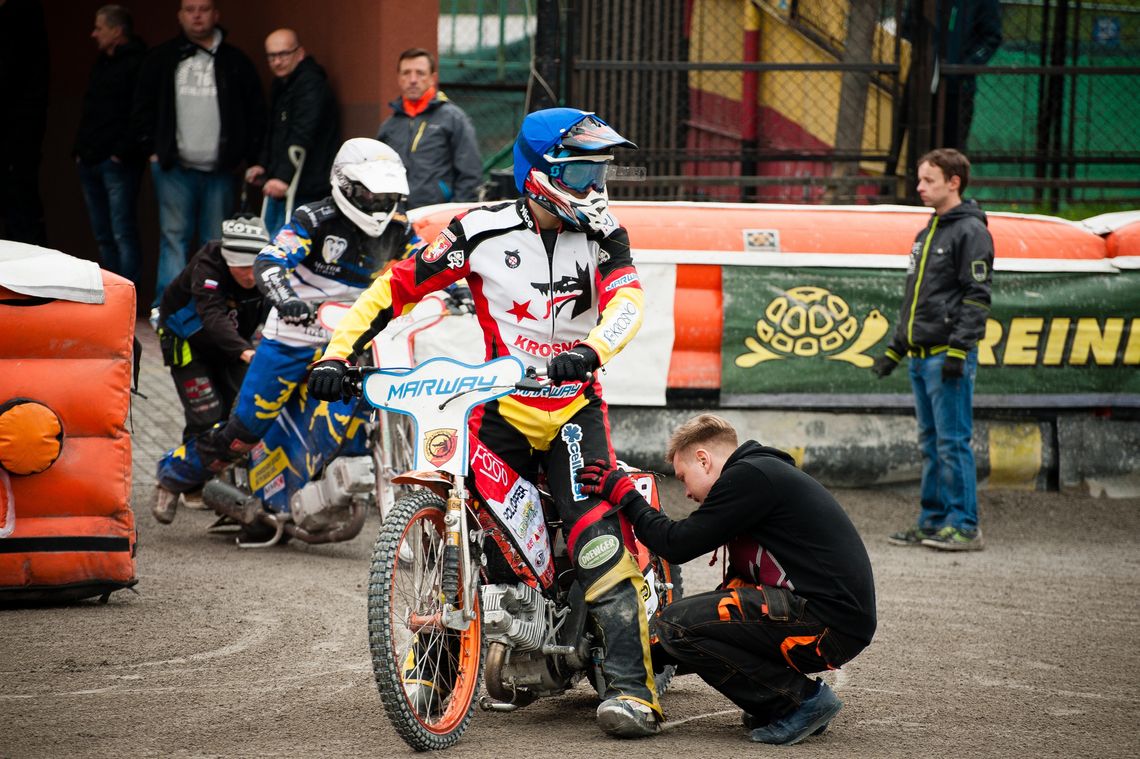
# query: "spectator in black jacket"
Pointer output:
{"type": "Point", "coordinates": [206, 323]}
{"type": "Point", "coordinates": [198, 114]}
{"type": "Point", "coordinates": [303, 114]}
{"type": "Point", "coordinates": [23, 122]}
{"type": "Point", "coordinates": [798, 596]}
{"type": "Point", "coordinates": [109, 166]}
{"type": "Point", "coordinates": [946, 301]}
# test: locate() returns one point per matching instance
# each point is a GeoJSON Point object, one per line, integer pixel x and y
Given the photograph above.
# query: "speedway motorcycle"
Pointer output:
{"type": "Point", "coordinates": [475, 584]}
{"type": "Point", "coordinates": [322, 467]}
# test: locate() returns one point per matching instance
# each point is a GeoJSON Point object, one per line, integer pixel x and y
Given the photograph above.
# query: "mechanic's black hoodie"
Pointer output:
{"type": "Point", "coordinates": [947, 295]}
{"type": "Point", "coordinates": [761, 500]}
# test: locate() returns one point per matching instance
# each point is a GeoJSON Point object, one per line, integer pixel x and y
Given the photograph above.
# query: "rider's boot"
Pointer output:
{"type": "Point", "coordinates": [630, 708]}
{"type": "Point", "coordinates": [165, 504]}
{"type": "Point", "coordinates": [428, 675]}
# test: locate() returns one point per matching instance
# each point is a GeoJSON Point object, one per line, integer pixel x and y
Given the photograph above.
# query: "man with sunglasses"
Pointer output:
{"type": "Point", "coordinates": [303, 113]}
{"type": "Point", "coordinates": [553, 283]}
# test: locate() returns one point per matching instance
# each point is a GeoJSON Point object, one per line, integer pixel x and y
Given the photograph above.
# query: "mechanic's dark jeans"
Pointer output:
{"type": "Point", "coordinates": [754, 645]}
{"type": "Point", "coordinates": [207, 389]}
{"type": "Point", "coordinates": [111, 190]}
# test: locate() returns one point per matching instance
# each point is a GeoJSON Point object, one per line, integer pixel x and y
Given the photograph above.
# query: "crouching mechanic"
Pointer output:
{"type": "Point", "coordinates": [206, 321]}
{"type": "Point", "coordinates": [798, 595]}
{"type": "Point", "coordinates": [552, 278]}
{"type": "Point", "coordinates": [330, 250]}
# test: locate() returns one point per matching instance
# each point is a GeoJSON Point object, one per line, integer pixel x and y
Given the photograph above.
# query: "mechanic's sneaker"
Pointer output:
{"type": "Point", "coordinates": [953, 539]}
{"type": "Point", "coordinates": [814, 713]}
{"type": "Point", "coordinates": [623, 718]}
{"type": "Point", "coordinates": [912, 537]}
{"type": "Point", "coordinates": [751, 723]}
{"type": "Point", "coordinates": [165, 504]}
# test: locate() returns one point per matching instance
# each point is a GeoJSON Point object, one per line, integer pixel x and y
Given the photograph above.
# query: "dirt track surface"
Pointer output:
{"type": "Point", "coordinates": [1025, 649]}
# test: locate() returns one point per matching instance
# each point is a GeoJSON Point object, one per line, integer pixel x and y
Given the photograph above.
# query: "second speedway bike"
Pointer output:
{"type": "Point", "coordinates": [471, 586]}
{"type": "Point", "coordinates": [321, 466]}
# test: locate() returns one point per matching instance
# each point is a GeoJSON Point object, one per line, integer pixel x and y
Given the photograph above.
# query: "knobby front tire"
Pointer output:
{"type": "Point", "coordinates": [427, 675]}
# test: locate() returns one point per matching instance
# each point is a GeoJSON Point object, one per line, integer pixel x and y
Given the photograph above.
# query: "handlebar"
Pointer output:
{"type": "Point", "coordinates": [536, 380]}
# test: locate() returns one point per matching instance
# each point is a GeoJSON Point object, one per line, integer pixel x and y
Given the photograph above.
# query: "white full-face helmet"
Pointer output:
{"type": "Point", "coordinates": [369, 184]}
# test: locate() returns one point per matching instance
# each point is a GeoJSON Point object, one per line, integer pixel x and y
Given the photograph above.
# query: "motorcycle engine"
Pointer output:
{"type": "Point", "coordinates": [323, 504]}
{"type": "Point", "coordinates": [514, 615]}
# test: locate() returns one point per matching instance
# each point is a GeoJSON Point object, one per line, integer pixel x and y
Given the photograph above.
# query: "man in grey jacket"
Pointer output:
{"type": "Point", "coordinates": [434, 137]}
{"type": "Point", "coordinates": [945, 305]}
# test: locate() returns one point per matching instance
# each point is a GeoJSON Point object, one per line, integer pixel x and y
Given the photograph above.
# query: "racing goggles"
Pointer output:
{"type": "Point", "coordinates": [580, 174]}
{"type": "Point", "coordinates": [372, 202]}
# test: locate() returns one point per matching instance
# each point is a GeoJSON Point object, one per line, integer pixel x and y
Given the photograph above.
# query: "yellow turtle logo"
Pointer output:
{"type": "Point", "coordinates": [812, 321]}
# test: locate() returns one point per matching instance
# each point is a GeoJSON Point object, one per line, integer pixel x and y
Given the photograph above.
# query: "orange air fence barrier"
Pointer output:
{"type": "Point", "coordinates": [702, 237]}
{"type": "Point", "coordinates": [67, 532]}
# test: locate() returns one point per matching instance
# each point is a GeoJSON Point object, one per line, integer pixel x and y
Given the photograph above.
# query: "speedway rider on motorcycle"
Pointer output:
{"type": "Point", "coordinates": [552, 280]}
{"type": "Point", "coordinates": [330, 250]}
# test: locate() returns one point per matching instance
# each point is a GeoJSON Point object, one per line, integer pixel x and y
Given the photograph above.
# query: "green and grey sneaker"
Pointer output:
{"type": "Point", "coordinates": [910, 538]}
{"type": "Point", "coordinates": [953, 539]}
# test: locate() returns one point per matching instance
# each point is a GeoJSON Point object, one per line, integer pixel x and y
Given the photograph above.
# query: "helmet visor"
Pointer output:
{"type": "Point", "coordinates": [372, 202]}
{"type": "Point", "coordinates": [580, 176]}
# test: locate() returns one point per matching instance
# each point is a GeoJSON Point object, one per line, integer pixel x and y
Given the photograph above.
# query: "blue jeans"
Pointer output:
{"type": "Point", "coordinates": [945, 411]}
{"type": "Point", "coordinates": [189, 202]}
{"type": "Point", "coordinates": [274, 216]}
{"type": "Point", "coordinates": [111, 190]}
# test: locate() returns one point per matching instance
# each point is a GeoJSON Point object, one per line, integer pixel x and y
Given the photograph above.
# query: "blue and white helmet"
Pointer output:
{"type": "Point", "coordinates": [562, 156]}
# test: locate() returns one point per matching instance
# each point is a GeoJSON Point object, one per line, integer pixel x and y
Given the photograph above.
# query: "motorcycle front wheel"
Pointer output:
{"type": "Point", "coordinates": [427, 674]}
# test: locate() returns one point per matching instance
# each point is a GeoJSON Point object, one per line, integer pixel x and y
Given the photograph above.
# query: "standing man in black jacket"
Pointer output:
{"type": "Point", "coordinates": [798, 595]}
{"type": "Point", "coordinates": [198, 114]}
{"type": "Point", "coordinates": [303, 114]}
{"type": "Point", "coordinates": [110, 167]}
{"type": "Point", "coordinates": [946, 301]}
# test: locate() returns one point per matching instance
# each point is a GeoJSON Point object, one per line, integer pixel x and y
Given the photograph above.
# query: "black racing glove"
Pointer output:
{"type": "Point", "coordinates": [326, 379]}
{"type": "Point", "coordinates": [607, 482]}
{"type": "Point", "coordinates": [273, 280]}
{"type": "Point", "coordinates": [953, 368]}
{"type": "Point", "coordinates": [883, 366]}
{"type": "Point", "coordinates": [295, 311]}
{"type": "Point", "coordinates": [573, 365]}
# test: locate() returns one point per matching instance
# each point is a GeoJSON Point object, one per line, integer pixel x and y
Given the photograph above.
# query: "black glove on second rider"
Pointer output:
{"type": "Point", "coordinates": [573, 365]}
{"type": "Point", "coordinates": [326, 379]}
{"type": "Point", "coordinates": [272, 279]}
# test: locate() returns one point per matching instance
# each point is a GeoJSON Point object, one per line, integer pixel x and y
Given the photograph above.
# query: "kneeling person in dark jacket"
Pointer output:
{"type": "Point", "coordinates": [206, 322]}
{"type": "Point", "coordinates": [798, 596]}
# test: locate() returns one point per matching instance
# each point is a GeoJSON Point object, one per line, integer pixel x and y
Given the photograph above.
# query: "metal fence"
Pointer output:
{"type": "Point", "coordinates": [814, 100]}
{"type": "Point", "coordinates": [1057, 107]}
{"type": "Point", "coordinates": [485, 55]}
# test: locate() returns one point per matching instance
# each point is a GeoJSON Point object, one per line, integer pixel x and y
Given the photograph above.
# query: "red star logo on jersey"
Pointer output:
{"type": "Point", "coordinates": [520, 311]}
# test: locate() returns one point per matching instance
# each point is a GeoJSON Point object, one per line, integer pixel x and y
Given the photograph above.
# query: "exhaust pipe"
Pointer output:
{"type": "Point", "coordinates": [233, 502]}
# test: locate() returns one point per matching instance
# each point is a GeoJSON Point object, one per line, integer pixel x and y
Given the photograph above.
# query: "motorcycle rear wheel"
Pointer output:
{"type": "Point", "coordinates": [427, 675]}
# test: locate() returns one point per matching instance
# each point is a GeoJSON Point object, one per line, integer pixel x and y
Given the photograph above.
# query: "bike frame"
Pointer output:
{"type": "Point", "coordinates": [439, 396]}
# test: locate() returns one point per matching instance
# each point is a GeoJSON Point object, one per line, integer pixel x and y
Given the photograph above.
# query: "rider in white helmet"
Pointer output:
{"type": "Point", "coordinates": [330, 250]}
